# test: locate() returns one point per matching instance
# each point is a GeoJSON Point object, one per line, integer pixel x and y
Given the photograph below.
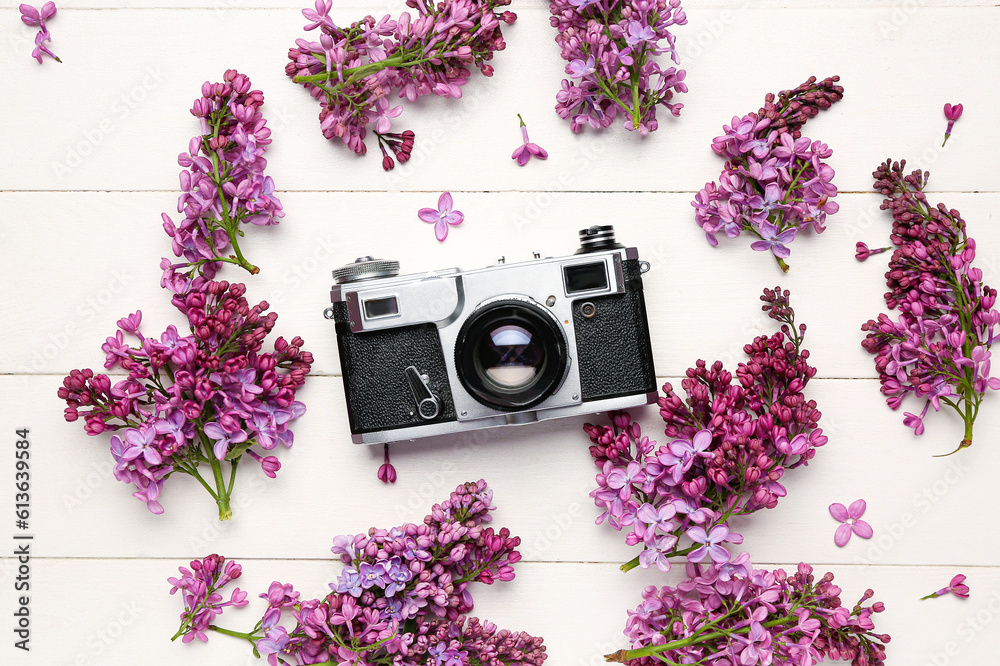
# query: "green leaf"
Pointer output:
{"type": "Point", "coordinates": [239, 450]}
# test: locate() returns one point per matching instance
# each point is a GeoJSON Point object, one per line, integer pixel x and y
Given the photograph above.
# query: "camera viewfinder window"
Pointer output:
{"type": "Point", "coordinates": [586, 277]}
{"type": "Point", "coordinates": [381, 307]}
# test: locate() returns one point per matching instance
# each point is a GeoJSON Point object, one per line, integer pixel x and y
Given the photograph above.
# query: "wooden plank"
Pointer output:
{"type": "Point", "coordinates": [703, 302]}
{"type": "Point", "coordinates": [541, 474]}
{"type": "Point", "coordinates": [119, 100]}
{"type": "Point", "coordinates": [903, 8]}
{"type": "Point", "coordinates": [91, 164]}
{"type": "Point", "coordinates": [579, 609]}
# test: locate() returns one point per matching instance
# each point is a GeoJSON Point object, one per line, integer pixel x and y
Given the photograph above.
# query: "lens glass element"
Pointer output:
{"type": "Point", "coordinates": [510, 356]}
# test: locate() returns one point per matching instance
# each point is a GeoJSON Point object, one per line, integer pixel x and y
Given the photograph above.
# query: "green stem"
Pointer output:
{"type": "Point", "coordinates": [635, 99]}
{"type": "Point", "coordinates": [232, 475]}
{"type": "Point", "coordinates": [968, 403]}
{"type": "Point", "coordinates": [361, 71]}
{"type": "Point", "coordinates": [236, 634]}
{"type": "Point", "coordinates": [222, 495]}
{"type": "Point", "coordinates": [650, 650]}
{"type": "Point", "coordinates": [227, 223]}
{"type": "Point", "coordinates": [193, 471]}
{"type": "Point", "coordinates": [970, 421]}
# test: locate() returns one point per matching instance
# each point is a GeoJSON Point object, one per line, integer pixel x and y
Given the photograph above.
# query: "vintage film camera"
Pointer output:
{"type": "Point", "coordinates": [448, 351]}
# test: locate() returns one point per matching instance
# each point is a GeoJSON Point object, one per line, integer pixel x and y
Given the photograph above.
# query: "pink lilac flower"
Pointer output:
{"type": "Point", "coordinates": [613, 53]}
{"type": "Point", "coordinates": [771, 240]}
{"type": "Point", "coordinates": [394, 602]}
{"type": "Point", "coordinates": [730, 445]}
{"type": "Point", "coordinates": [399, 144]}
{"type": "Point", "coordinates": [851, 522]}
{"type": "Point", "coordinates": [140, 443]}
{"type": "Point", "coordinates": [957, 587]}
{"type": "Point", "coordinates": [386, 472]}
{"type": "Point", "coordinates": [40, 48]}
{"type": "Point", "coordinates": [353, 71]}
{"type": "Point", "coordinates": [442, 217]}
{"type": "Point", "coordinates": [775, 182]}
{"type": "Point", "coordinates": [320, 16]}
{"type": "Point", "coordinates": [384, 115]}
{"type": "Point", "coordinates": [937, 348]}
{"type": "Point", "coordinates": [216, 383]}
{"type": "Point", "coordinates": [578, 69]}
{"type": "Point", "coordinates": [199, 588]}
{"type": "Point", "coordinates": [751, 617]}
{"type": "Point", "coordinates": [223, 438]}
{"type": "Point", "coordinates": [223, 186]}
{"type": "Point", "coordinates": [37, 17]}
{"type": "Point", "coordinates": [952, 113]}
{"type": "Point", "coordinates": [658, 553]}
{"type": "Point", "coordinates": [268, 464]}
{"type": "Point", "coordinates": [711, 543]}
{"type": "Point", "coordinates": [524, 152]}
{"type": "Point", "coordinates": [274, 642]}
{"type": "Point", "coordinates": [862, 251]}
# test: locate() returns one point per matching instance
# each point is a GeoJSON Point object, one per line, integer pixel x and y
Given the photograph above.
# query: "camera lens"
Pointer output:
{"type": "Point", "coordinates": [510, 355]}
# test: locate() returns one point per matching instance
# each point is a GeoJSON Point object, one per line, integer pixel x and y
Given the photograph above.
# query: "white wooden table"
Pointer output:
{"type": "Point", "coordinates": [88, 165]}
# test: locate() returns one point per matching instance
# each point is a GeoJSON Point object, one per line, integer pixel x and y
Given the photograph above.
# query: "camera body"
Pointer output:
{"type": "Point", "coordinates": [449, 351]}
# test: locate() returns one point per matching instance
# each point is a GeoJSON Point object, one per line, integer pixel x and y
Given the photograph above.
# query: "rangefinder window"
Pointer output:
{"type": "Point", "coordinates": [585, 277]}
{"type": "Point", "coordinates": [381, 307]}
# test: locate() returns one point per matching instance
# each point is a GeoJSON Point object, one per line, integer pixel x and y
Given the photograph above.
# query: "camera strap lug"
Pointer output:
{"type": "Point", "coordinates": [428, 405]}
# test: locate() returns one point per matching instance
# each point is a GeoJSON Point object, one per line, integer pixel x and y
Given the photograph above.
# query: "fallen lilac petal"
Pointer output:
{"type": "Point", "coordinates": [842, 535]}
{"type": "Point", "coordinates": [952, 113]}
{"type": "Point", "coordinates": [443, 217]}
{"type": "Point", "coordinates": [524, 152]}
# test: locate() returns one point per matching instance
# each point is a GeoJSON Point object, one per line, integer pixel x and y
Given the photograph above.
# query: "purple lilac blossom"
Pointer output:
{"type": "Point", "coordinates": [952, 113]}
{"type": "Point", "coordinates": [524, 152]}
{"type": "Point", "coordinates": [850, 522]}
{"type": "Point", "coordinates": [199, 588]}
{"type": "Point", "coordinates": [751, 617]}
{"type": "Point", "coordinates": [937, 349]}
{"type": "Point", "coordinates": [40, 48]}
{"type": "Point", "coordinates": [37, 17]}
{"type": "Point", "coordinates": [353, 71]}
{"type": "Point", "coordinates": [862, 251]}
{"type": "Point", "coordinates": [412, 611]}
{"type": "Point", "coordinates": [957, 587]}
{"type": "Point", "coordinates": [386, 471]}
{"type": "Point", "coordinates": [731, 445]}
{"type": "Point", "coordinates": [612, 49]}
{"type": "Point", "coordinates": [223, 186]}
{"type": "Point", "coordinates": [774, 182]}
{"type": "Point", "coordinates": [442, 217]}
{"type": "Point", "coordinates": [208, 396]}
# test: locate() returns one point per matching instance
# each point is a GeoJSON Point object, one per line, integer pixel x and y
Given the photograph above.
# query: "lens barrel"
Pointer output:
{"type": "Point", "coordinates": [510, 355]}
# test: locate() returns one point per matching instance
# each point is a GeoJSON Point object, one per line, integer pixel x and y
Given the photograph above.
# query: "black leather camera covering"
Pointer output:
{"type": "Point", "coordinates": [613, 347]}
{"type": "Point", "coordinates": [373, 364]}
